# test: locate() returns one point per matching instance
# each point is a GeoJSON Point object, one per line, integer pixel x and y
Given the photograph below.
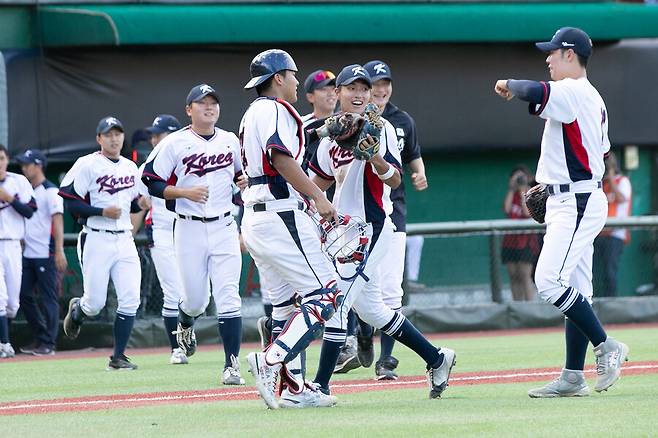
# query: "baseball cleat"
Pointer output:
{"type": "Point", "coordinates": [385, 369]}
{"type": "Point", "coordinates": [365, 350]}
{"type": "Point", "coordinates": [438, 377]}
{"type": "Point", "coordinates": [70, 325]}
{"type": "Point", "coordinates": [178, 357]}
{"type": "Point", "coordinates": [348, 358]}
{"type": "Point", "coordinates": [231, 375]}
{"type": "Point", "coordinates": [6, 351]}
{"type": "Point", "coordinates": [266, 378]}
{"type": "Point", "coordinates": [311, 397]}
{"type": "Point", "coordinates": [571, 383]}
{"type": "Point", "coordinates": [186, 339]}
{"type": "Point", "coordinates": [120, 363]}
{"type": "Point", "coordinates": [264, 326]}
{"type": "Point", "coordinates": [610, 356]}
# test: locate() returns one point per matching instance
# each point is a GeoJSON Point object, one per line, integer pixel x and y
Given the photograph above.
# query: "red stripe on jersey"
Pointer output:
{"type": "Point", "coordinates": [300, 130]}
{"type": "Point", "coordinates": [374, 185]}
{"type": "Point", "coordinates": [572, 132]}
{"type": "Point", "coordinates": [268, 169]}
{"type": "Point", "coordinates": [148, 220]}
{"type": "Point", "coordinates": [172, 180]}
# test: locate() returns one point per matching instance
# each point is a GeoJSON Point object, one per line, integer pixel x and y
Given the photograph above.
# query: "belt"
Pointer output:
{"type": "Point", "coordinates": [204, 219]}
{"type": "Point", "coordinates": [263, 207]}
{"type": "Point", "coordinates": [266, 179]}
{"type": "Point", "coordinates": [554, 189]}
{"type": "Point", "coordinates": [107, 231]}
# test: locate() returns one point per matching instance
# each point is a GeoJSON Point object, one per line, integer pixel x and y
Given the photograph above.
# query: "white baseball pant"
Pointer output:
{"type": "Point", "coordinates": [11, 271]}
{"type": "Point", "coordinates": [166, 267]}
{"type": "Point", "coordinates": [392, 271]}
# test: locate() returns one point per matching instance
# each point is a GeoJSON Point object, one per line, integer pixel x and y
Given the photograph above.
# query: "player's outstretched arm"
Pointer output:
{"type": "Point", "coordinates": [293, 173]}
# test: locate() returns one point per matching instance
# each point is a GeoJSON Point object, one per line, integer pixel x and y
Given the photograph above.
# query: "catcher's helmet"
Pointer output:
{"type": "Point", "coordinates": [268, 63]}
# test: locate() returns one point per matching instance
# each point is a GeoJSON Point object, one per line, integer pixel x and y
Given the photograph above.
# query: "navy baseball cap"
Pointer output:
{"type": "Point", "coordinates": [108, 123]}
{"type": "Point", "coordinates": [353, 73]}
{"type": "Point", "coordinates": [199, 92]}
{"type": "Point", "coordinates": [164, 123]}
{"type": "Point", "coordinates": [568, 38]}
{"type": "Point", "coordinates": [319, 79]}
{"type": "Point", "coordinates": [378, 70]}
{"type": "Point", "coordinates": [32, 156]}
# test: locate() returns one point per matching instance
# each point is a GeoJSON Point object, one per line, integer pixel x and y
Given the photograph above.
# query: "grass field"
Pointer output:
{"type": "Point", "coordinates": [501, 409]}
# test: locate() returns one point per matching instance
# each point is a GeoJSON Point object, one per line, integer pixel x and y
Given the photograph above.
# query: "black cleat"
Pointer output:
{"type": "Point", "coordinates": [121, 363]}
{"type": "Point", "coordinates": [71, 327]}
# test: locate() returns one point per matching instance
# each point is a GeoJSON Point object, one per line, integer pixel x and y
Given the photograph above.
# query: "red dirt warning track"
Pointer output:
{"type": "Point", "coordinates": [94, 403]}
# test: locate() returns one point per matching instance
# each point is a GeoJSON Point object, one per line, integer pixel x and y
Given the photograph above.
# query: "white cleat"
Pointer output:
{"type": "Point", "coordinates": [610, 356]}
{"type": "Point", "coordinates": [178, 357]}
{"type": "Point", "coordinates": [310, 397]}
{"type": "Point", "coordinates": [266, 378]}
{"type": "Point", "coordinates": [232, 374]}
{"type": "Point", "coordinates": [438, 377]}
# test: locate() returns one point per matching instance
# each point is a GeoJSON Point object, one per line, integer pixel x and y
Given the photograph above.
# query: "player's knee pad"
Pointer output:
{"type": "Point", "coordinates": [324, 302]}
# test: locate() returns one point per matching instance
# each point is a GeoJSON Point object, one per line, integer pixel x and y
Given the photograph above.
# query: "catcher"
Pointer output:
{"type": "Point", "coordinates": [360, 155]}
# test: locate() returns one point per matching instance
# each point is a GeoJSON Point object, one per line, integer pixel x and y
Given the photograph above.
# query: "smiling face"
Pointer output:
{"type": "Point", "coordinates": [288, 83]}
{"type": "Point", "coordinates": [354, 97]}
{"type": "Point", "coordinates": [204, 113]}
{"type": "Point", "coordinates": [381, 92]}
{"type": "Point", "coordinates": [561, 63]}
{"type": "Point", "coordinates": [323, 99]}
{"type": "Point", "coordinates": [111, 143]}
{"type": "Point", "coordinates": [4, 161]}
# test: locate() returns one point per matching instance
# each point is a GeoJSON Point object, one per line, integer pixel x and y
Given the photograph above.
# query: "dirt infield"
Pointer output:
{"type": "Point", "coordinates": [93, 403]}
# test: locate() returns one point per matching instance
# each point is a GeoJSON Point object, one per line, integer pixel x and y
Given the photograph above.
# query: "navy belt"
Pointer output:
{"type": "Point", "coordinates": [204, 219]}
{"type": "Point", "coordinates": [266, 179]}
{"type": "Point", "coordinates": [263, 206]}
{"type": "Point", "coordinates": [566, 188]}
{"type": "Point", "coordinates": [107, 231]}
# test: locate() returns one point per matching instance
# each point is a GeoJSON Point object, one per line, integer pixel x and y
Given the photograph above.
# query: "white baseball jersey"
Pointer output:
{"type": "Point", "coordinates": [308, 119]}
{"type": "Point", "coordinates": [39, 243]}
{"type": "Point", "coordinates": [575, 135]}
{"type": "Point", "coordinates": [102, 183]}
{"type": "Point", "coordinates": [158, 216]}
{"type": "Point", "coordinates": [269, 124]}
{"type": "Point", "coordinates": [359, 191]}
{"type": "Point", "coordinates": [186, 159]}
{"type": "Point", "coordinates": [12, 224]}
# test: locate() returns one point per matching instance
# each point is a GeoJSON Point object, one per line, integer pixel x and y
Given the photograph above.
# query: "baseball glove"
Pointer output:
{"type": "Point", "coordinates": [535, 200]}
{"type": "Point", "coordinates": [343, 128]}
{"type": "Point", "coordinates": [372, 127]}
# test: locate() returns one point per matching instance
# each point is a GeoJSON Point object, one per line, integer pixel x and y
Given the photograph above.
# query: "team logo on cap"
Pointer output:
{"type": "Point", "coordinates": [111, 121]}
{"type": "Point", "coordinates": [358, 70]}
{"type": "Point", "coordinates": [380, 68]}
{"type": "Point", "coordinates": [566, 44]}
{"type": "Point", "coordinates": [206, 88]}
{"type": "Point", "coordinates": [157, 120]}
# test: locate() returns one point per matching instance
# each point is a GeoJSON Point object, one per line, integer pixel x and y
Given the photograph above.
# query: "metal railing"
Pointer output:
{"type": "Point", "coordinates": [495, 229]}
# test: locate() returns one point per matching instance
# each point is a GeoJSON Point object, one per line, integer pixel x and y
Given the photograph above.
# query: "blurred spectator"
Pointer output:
{"type": "Point", "coordinates": [519, 251]}
{"type": "Point", "coordinates": [43, 256]}
{"type": "Point", "coordinates": [609, 245]}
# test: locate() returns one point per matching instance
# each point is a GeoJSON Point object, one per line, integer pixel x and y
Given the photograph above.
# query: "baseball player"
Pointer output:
{"type": "Point", "coordinates": [43, 256]}
{"type": "Point", "coordinates": [571, 166]}
{"type": "Point", "coordinates": [319, 87]}
{"type": "Point", "coordinates": [281, 238]}
{"type": "Point", "coordinates": [391, 279]}
{"type": "Point", "coordinates": [100, 191]}
{"type": "Point", "coordinates": [159, 226]}
{"type": "Point", "coordinates": [16, 205]}
{"type": "Point", "coordinates": [193, 170]}
{"type": "Point", "coordinates": [363, 190]}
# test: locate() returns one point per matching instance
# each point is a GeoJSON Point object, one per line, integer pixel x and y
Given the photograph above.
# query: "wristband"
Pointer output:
{"type": "Point", "coordinates": [386, 175]}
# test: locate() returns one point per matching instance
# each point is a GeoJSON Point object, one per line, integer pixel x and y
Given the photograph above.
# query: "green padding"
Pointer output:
{"type": "Point", "coordinates": [330, 23]}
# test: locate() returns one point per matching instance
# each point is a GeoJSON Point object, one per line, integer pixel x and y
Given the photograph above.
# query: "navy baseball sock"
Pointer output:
{"type": "Point", "coordinates": [4, 330]}
{"type": "Point", "coordinates": [352, 323]}
{"type": "Point", "coordinates": [328, 358]}
{"type": "Point", "coordinates": [170, 323]}
{"type": "Point", "coordinates": [230, 330]}
{"type": "Point", "coordinates": [387, 344]}
{"type": "Point", "coordinates": [576, 342]}
{"type": "Point", "coordinates": [409, 335]}
{"type": "Point", "coordinates": [268, 310]}
{"type": "Point", "coordinates": [365, 329]}
{"type": "Point", "coordinates": [277, 327]}
{"type": "Point", "coordinates": [185, 320]}
{"type": "Point", "coordinates": [575, 307]}
{"type": "Point", "coordinates": [123, 325]}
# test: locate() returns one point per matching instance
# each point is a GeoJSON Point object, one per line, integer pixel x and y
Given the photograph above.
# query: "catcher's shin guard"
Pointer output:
{"type": "Point", "coordinates": [305, 324]}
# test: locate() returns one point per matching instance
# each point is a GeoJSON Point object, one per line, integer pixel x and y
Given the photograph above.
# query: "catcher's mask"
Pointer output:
{"type": "Point", "coordinates": [344, 242]}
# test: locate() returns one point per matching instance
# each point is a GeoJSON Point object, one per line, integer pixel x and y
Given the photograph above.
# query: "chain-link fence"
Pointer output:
{"type": "Point", "coordinates": [461, 263]}
{"type": "Point", "coordinates": [494, 261]}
